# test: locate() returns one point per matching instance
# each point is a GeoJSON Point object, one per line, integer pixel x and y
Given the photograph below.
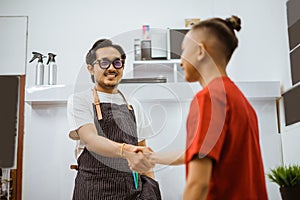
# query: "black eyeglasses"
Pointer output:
{"type": "Point", "coordinates": [105, 63]}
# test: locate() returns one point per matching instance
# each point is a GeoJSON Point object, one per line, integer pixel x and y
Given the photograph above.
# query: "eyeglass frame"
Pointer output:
{"type": "Point", "coordinates": [98, 61]}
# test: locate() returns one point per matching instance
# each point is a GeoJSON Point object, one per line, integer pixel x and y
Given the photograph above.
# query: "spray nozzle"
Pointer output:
{"type": "Point", "coordinates": [51, 57]}
{"type": "Point", "coordinates": [37, 55]}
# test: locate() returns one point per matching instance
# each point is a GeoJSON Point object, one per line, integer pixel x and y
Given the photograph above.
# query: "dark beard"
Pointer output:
{"type": "Point", "coordinates": [109, 87]}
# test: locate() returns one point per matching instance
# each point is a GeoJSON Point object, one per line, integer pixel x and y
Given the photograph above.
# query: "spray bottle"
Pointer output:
{"type": "Point", "coordinates": [39, 74]}
{"type": "Point", "coordinates": [52, 69]}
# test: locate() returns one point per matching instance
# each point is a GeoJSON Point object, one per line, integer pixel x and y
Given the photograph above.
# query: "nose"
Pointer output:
{"type": "Point", "coordinates": [111, 67]}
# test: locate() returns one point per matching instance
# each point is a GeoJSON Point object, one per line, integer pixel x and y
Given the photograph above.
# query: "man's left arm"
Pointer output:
{"type": "Point", "coordinates": [197, 184]}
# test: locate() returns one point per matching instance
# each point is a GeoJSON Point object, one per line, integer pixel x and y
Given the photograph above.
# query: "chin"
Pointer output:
{"type": "Point", "coordinates": [111, 83]}
{"type": "Point", "coordinates": [186, 78]}
{"type": "Point", "coordinates": [190, 80]}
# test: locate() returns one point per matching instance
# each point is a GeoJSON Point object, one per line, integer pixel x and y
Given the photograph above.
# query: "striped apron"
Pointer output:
{"type": "Point", "coordinates": [104, 178]}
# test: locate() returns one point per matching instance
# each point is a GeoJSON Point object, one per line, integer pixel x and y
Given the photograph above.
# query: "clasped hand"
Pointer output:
{"type": "Point", "coordinates": [138, 158]}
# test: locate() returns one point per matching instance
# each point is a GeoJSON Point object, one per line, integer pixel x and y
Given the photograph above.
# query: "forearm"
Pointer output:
{"type": "Point", "coordinates": [98, 144]}
{"type": "Point", "coordinates": [104, 147]}
{"type": "Point", "coordinates": [168, 158]}
{"type": "Point", "coordinates": [137, 161]}
{"type": "Point", "coordinates": [194, 191]}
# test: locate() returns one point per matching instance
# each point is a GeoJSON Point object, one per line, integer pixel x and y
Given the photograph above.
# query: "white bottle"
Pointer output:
{"type": "Point", "coordinates": [39, 73]}
{"type": "Point", "coordinates": [52, 69]}
{"type": "Point", "coordinates": [137, 49]}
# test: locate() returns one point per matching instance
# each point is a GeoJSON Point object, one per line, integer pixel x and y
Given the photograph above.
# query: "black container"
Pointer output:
{"type": "Point", "coordinates": [146, 50]}
{"type": "Point", "coordinates": [290, 193]}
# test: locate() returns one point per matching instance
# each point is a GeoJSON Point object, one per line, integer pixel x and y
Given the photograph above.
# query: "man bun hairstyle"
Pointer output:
{"type": "Point", "coordinates": [234, 22]}
{"type": "Point", "coordinates": [223, 31]}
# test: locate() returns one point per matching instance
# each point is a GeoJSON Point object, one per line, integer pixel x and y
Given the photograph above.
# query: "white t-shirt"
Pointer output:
{"type": "Point", "coordinates": [80, 112]}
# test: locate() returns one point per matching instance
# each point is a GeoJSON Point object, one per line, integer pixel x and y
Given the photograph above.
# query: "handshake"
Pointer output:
{"type": "Point", "coordinates": [139, 158]}
{"type": "Point", "coordinates": [142, 159]}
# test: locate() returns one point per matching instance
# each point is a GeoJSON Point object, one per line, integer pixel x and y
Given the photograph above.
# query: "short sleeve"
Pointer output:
{"type": "Point", "coordinates": [206, 126]}
{"type": "Point", "coordinates": [144, 128]}
{"type": "Point", "coordinates": [79, 113]}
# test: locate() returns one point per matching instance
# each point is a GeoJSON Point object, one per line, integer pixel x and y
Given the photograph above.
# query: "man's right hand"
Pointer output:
{"type": "Point", "coordinates": [138, 158]}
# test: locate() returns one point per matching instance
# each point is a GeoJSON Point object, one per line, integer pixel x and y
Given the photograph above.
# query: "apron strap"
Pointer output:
{"type": "Point", "coordinates": [97, 103]}
{"type": "Point", "coordinates": [128, 106]}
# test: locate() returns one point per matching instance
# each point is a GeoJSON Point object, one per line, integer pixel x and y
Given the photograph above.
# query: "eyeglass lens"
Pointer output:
{"type": "Point", "coordinates": [117, 63]}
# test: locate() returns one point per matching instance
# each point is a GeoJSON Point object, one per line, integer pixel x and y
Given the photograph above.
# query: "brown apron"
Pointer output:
{"type": "Point", "coordinates": [104, 178]}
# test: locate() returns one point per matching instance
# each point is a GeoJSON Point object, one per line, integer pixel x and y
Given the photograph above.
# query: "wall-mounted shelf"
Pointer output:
{"type": "Point", "coordinates": [48, 94]}
{"type": "Point", "coordinates": [140, 62]}
{"type": "Point", "coordinates": [159, 68]}
{"type": "Point", "coordinates": [258, 90]}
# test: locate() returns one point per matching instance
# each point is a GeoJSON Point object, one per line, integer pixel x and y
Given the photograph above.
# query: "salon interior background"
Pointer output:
{"type": "Point", "coordinates": [68, 28]}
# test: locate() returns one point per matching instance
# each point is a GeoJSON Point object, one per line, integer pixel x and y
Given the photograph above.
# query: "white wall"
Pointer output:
{"type": "Point", "coordinates": [13, 56]}
{"type": "Point", "coordinates": [263, 40]}
{"type": "Point", "coordinates": [69, 28]}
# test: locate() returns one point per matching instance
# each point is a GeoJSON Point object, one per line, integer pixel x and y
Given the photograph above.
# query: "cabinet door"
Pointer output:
{"type": "Point", "coordinates": [9, 86]}
{"type": "Point", "coordinates": [13, 39]}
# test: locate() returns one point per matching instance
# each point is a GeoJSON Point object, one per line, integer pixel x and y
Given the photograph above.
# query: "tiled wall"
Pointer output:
{"type": "Point", "coordinates": [291, 123]}
{"type": "Point", "coordinates": [292, 110]}
{"type": "Point", "coordinates": [293, 7]}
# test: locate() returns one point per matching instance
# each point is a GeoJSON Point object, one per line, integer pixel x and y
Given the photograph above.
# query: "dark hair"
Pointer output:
{"type": "Point", "coordinates": [102, 43]}
{"type": "Point", "coordinates": [223, 30]}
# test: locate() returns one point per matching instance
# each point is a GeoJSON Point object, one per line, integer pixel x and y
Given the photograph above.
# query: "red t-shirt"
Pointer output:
{"type": "Point", "coordinates": [222, 125]}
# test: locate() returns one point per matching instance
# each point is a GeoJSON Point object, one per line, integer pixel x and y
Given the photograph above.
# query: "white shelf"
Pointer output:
{"type": "Point", "coordinates": [258, 90]}
{"type": "Point", "coordinates": [48, 94]}
{"type": "Point", "coordinates": [159, 68]}
{"type": "Point", "coordinates": [141, 62]}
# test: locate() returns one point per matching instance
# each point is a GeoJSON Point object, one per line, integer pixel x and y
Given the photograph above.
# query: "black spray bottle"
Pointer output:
{"type": "Point", "coordinates": [52, 69]}
{"type": "Point", "coordinates": [39, 73]}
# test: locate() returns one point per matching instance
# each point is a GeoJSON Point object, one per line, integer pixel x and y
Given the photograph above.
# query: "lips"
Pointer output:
{"type": "Point", "coordinates": [111, 75]}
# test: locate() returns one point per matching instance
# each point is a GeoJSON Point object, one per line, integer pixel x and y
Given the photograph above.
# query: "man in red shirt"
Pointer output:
{"type": "Point", "coordinates": [223, 158]}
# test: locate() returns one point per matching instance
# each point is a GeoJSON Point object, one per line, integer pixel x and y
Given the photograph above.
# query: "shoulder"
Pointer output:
{"type": "Point", "coordinates": [80, 98]}
{"type": "Point", "coordinates": [215, 91]}
{"type": "Point", "coordinates": [135, 103]}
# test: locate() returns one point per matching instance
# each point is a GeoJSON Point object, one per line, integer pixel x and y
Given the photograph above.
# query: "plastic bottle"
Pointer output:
{"type": "Point", "coordinates": [146, 51]}
{"type": "Point", "coordinates": [137, 49]}
{"type": "Point", "coordinates": [52, 69]}
{"type": "Point", "coordinates": [39, 73]}
{"type": "Point", "coordinates": [146, 32]}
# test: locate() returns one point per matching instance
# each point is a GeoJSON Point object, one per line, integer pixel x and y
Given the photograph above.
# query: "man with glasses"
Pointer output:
{"type": "Point", "coordinates": [111, 132]}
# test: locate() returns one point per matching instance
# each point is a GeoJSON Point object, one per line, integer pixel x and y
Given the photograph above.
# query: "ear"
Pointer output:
{"type": "Point", "coordinates": [201, 52]}
{"type": "Point", "coordinates": [91, 69]}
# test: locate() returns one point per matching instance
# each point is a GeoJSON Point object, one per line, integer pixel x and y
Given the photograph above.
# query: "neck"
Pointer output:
{"type": "Point", "coordinates": [210, 74]}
